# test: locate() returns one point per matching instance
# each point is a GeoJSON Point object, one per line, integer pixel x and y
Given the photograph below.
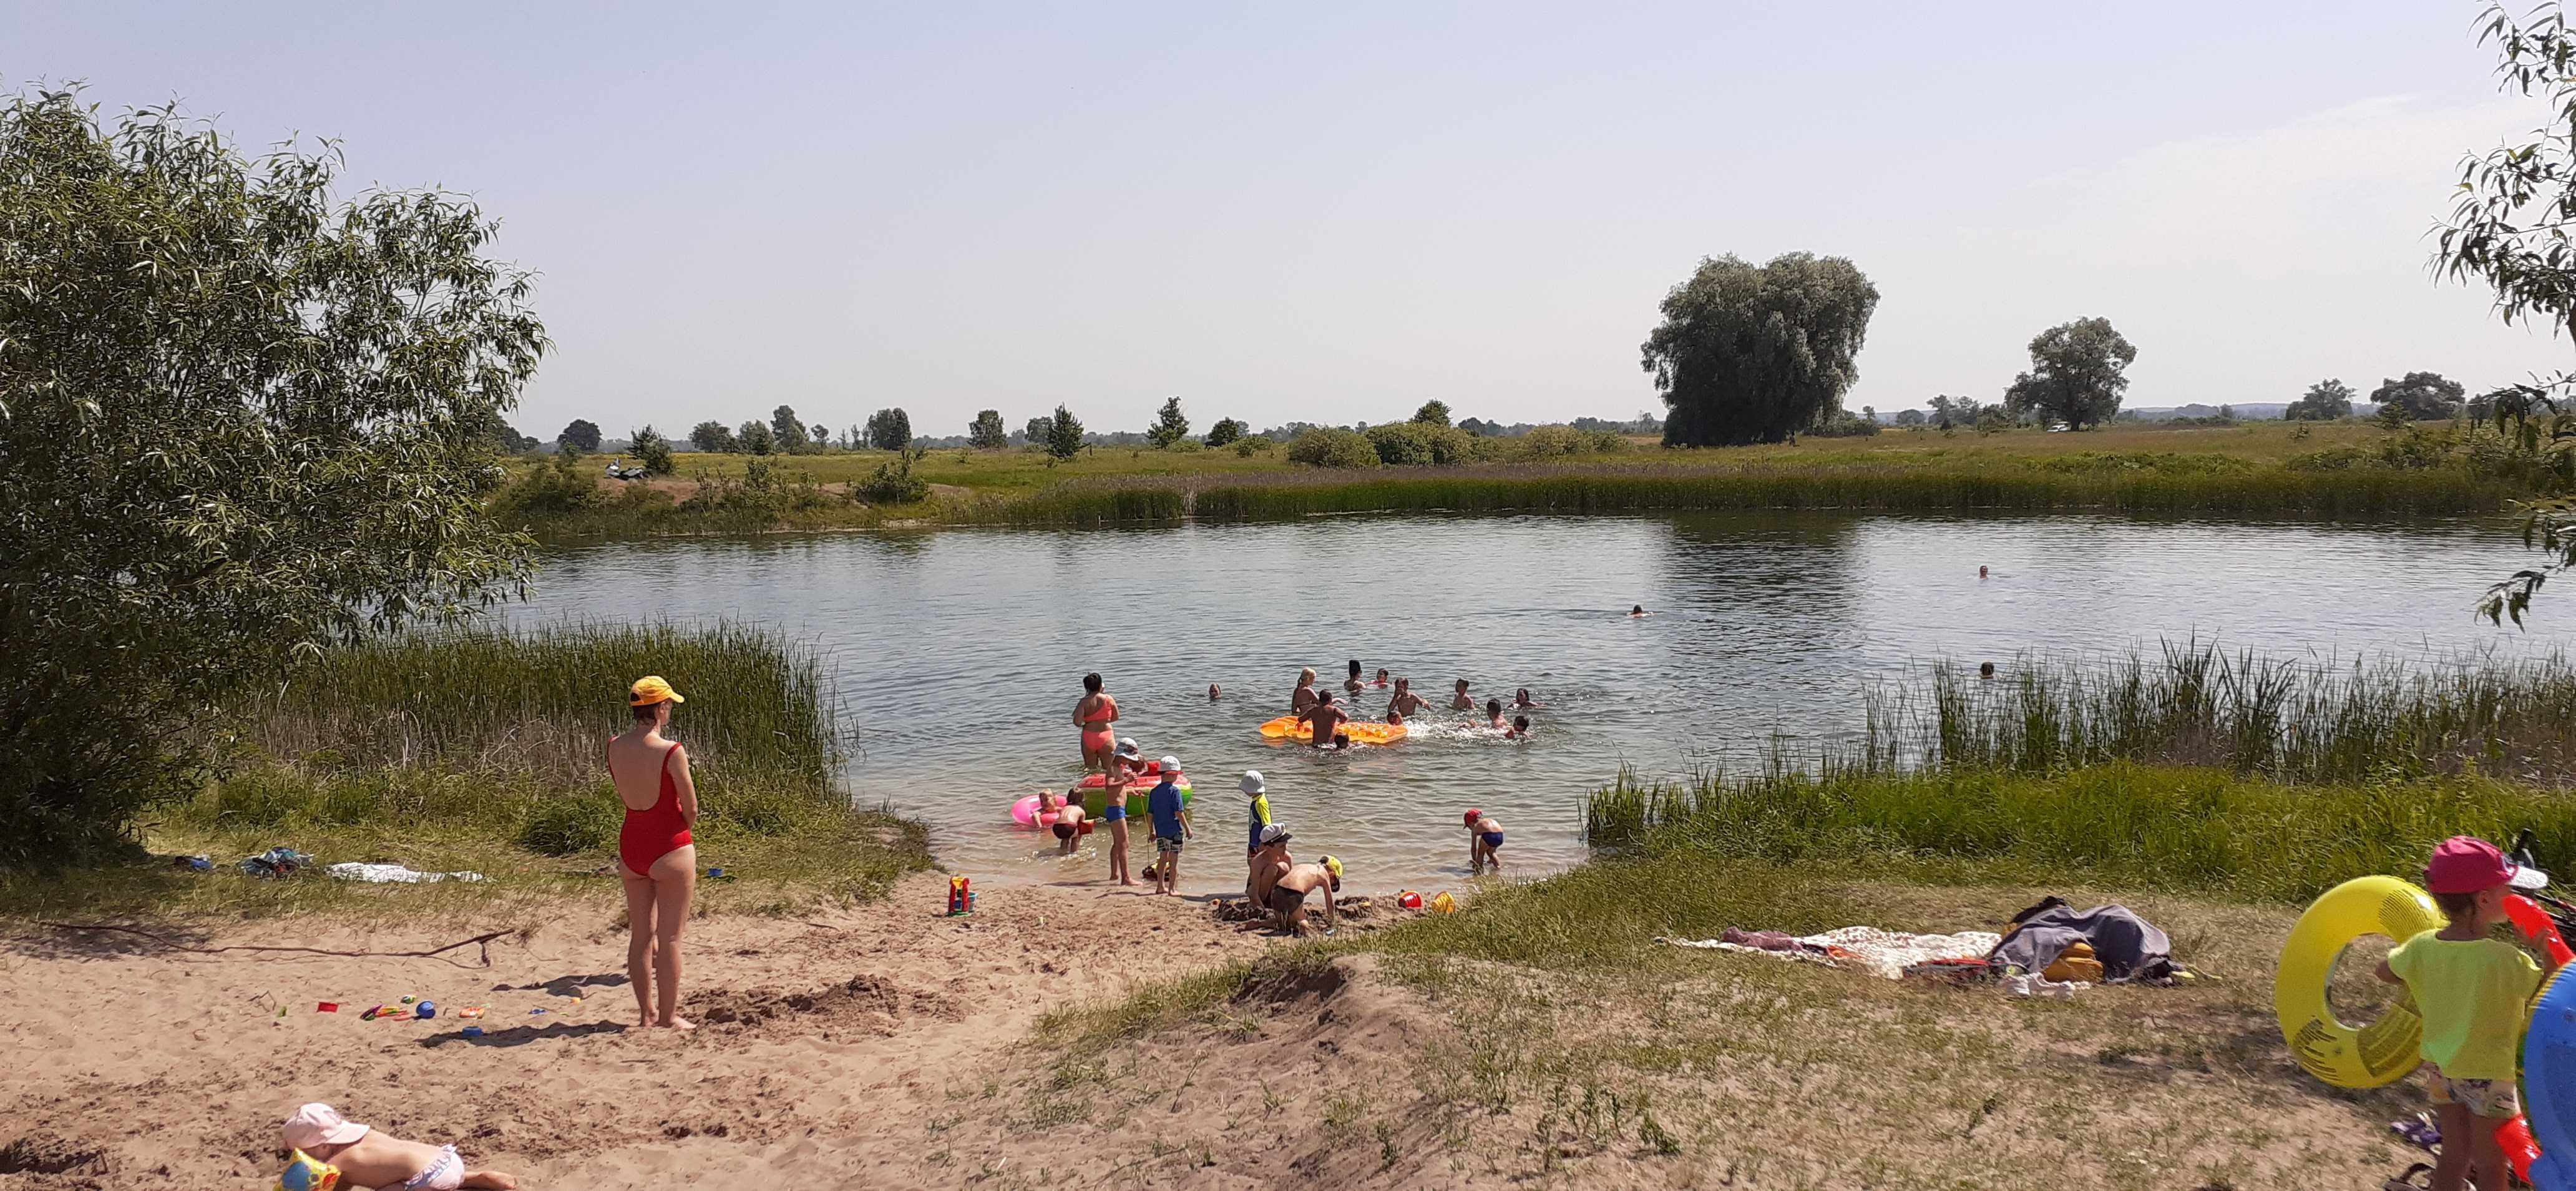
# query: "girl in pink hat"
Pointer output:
{"type": "Point", "coordinates": [2474, 992]}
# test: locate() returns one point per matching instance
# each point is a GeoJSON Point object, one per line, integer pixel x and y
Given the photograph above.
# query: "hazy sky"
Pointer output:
{"type": "Point", "coordinates": [1333, 212]}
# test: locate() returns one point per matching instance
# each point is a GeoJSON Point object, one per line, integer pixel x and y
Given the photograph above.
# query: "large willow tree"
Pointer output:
{"type": "Point", "coordinates": [1749, 354]}
{"type": "Point", "coordinates": [239, 420]}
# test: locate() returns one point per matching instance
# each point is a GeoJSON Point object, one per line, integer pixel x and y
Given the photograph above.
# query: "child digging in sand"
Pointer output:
{"type": "Point", "coordinates": [2474, 992]}
{"type": "Point", "coordinates": [367, 1158]}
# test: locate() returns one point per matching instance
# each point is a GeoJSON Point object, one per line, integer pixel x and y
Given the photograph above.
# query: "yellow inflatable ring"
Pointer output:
{"type": "Point", "coordinates": [1360, 731]}
{"type": "Point", "coordinates": [2383, 1051]}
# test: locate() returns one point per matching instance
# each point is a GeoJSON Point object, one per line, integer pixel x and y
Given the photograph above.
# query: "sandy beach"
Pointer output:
{"type": "Point", "coordinates": [833, 1051]}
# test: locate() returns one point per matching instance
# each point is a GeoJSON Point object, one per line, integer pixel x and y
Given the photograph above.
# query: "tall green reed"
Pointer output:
{"type": "Point", "coordinates": [2293, 719]}
{"type": "Point", "coordinates": [540, 701]}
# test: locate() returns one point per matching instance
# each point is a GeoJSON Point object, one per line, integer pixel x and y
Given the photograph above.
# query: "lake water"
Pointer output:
{"type": "Point", "coordinates": [958, 654]}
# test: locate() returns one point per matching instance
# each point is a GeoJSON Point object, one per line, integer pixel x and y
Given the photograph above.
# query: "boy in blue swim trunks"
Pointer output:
{"type": "Point", "coordinates": [1484, 842]}
{"type": "Point", "coordinates": [1122, 770]}
{"type": "Point", "coordinates": [1171, 827]}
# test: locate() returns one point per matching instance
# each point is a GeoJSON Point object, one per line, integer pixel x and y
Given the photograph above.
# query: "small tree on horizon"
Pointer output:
{"type": "Point", "coordinates": [714, 436]}
{"type": "Point", "coordinates": [890, 429]}
{"type": "Point", "coordinates": [1169, 426]}
{"type": "Point", "coordinates": [757, 438]}
{"type": "Point", "coordinates": [582, 435]}
{"type": "Point", "coordinates": [2325, 401]}
{"type": "Point", "coordinates": [1035, 433]}
{"type": "Point", "coordinates": [987, 431]}
{"type": "Point", "coordinates": [651, 449]}
{"type": "Point", "coordinates": [788, 432]}
{"type": "Point", "coordinates": [1434, 412]}
{"type": "Point", "coordinates": [2078, 370]}
{"type": "Point", "coordinates": [2425, 396]}
{"type": "Point", "coordinates": [1225, 432]}
{"type": "Point", "coordinates": [1064, 434]}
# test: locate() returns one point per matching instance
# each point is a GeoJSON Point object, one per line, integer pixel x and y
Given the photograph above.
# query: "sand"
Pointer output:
{"type": "Point", "coordinates": [829, 1046]}
{"type": "Point", "coordinates": [890, 1047]}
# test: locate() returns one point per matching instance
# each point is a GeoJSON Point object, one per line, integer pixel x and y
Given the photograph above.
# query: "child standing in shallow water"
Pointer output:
{"type": "Point", "coordinates": [1484, 842]}
{"type": "Point", "coordinates": [2474, 992]}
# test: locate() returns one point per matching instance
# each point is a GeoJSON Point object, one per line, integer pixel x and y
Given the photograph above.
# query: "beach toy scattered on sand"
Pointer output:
{"type": "Point", "coordinates": [472, 1031]}
{"type": "Point", "coordinates": [470, 1011]}
{"type": "Point", "coordinates": [308, 1173]}
{"type": "Point", "coordinates": [1409, 900]}
{"type": "Point", "coordinates": [1361, 732]}
{"type": "Point", "coordinates": [1444, 903]}
{"type": "Point", "coordinates": [426, 1009]}
{"type": "Point", "coordinates": [2347, 1057]}
{"type": "Point", "coordinates": [326, 1007]}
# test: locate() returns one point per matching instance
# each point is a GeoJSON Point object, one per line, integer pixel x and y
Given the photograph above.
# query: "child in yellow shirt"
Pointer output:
{"type": "Point", "coordinates": [2474, 992]}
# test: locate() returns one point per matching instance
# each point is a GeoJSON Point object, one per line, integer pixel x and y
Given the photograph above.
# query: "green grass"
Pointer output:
{"type": "Point", "coordinates": [2289, 718]}
{"type": "Point", "coordinates": [2198, 831]}
{"type": "Point", "coordinates": [481, 751]}
{"type": "Point", "coordinates": [2326, 470]}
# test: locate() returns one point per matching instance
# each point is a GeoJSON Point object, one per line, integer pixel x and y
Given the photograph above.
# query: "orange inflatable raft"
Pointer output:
{"type": "Point", "coordinates": [1288, 727]}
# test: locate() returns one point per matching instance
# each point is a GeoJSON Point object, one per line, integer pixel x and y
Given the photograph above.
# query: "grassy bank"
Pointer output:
{"type": "Point", "coordinates": [1544, 1035]}
{"type": "Point", "coordinates": [481, 751]}
{"type": "Point", "coordinates": [2259, 468]}
{"type": "Point", "coordinates": [2197, 831]}
{"type": "Point", "coordinates": [2294, 719]}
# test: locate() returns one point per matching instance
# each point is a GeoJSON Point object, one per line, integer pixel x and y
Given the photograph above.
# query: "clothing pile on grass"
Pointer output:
{"type": "Point", "coordinates": [2050, 949]}
{"type": "Point", "coordinates": [284, 863]}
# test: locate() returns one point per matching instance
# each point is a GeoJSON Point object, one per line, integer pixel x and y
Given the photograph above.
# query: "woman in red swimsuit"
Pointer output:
{"type": "Point", "coordinates": [654, 854]}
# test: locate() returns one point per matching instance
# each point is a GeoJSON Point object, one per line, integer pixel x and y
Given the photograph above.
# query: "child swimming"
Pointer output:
{"type": "Point", "coordinates": [1381, 679]}
{"type": "Point", "coordinates": [1493, 713]}
{"type": "Point", "coordinates": [1519, 729]}
{"type": "Point", "coordinates": [1353, 683]}
{"type": "Point", "coordinates": [1463, 702]}
{"type": "Point", "coordinates": [1520, 698]}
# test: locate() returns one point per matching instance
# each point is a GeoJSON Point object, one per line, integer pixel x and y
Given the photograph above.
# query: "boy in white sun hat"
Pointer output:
{"type": "Point", "coordinates": [367, 1158]}
{"type": "Point", "coordinates": [1259, 794]}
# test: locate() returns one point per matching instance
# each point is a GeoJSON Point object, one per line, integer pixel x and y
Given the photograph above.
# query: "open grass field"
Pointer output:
{"type": "Point", "coordinates": [1019, 470]}
{"type": "Point", "coordinates": [2256, 468]}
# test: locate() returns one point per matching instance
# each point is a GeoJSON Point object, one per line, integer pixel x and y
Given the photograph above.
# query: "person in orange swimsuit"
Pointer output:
{"type": "Point", "coordinates": [1093, 714]}
{"type": "Point", "coordinates": [655, 855]}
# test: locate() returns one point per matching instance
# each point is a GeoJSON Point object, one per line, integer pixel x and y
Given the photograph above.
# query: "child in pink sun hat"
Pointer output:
{"type": "Point", "coordinates": [367, 1158]}
{"type": "Point", "coordinates": [2474, 993]}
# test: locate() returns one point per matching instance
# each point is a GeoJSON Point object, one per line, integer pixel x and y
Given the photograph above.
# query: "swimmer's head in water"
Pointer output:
{"type": "Point", "coordinates": [1494, 708]}
{"type": "Point", "coordinates": [1341, 740]}
{"type": "Point", "coordinates": [1636, 609]}
{"type": "Point", "coordinates": [1355, 667]}
{"type": "Point", "coordinates": [1521, 722]}
{"type": "Point", "coordinates": [1462, 686]}
{"type": "Point", "coordinates": [1212, 692]}
{"type": "Point", "coordinates": [1985, 669]}
{"type": "Point", "coordinates": [1381, 674]}
{"type": "Point", "coordinates": [1091, 683]}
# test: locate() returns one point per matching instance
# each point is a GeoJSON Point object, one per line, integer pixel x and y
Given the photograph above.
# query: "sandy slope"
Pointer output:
{"type": "Point", "coordinates": [828, 1045]}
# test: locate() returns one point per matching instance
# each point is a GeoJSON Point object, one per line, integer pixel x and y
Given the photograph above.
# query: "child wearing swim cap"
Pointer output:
{"type": "Point", "coordinates": [2474, 992]}
{"type": "Point", "coordinates": [1484, 841]}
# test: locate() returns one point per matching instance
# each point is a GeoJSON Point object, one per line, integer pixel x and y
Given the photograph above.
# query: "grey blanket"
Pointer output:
{"type": "Point", "coordinates": [2129, 947]}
